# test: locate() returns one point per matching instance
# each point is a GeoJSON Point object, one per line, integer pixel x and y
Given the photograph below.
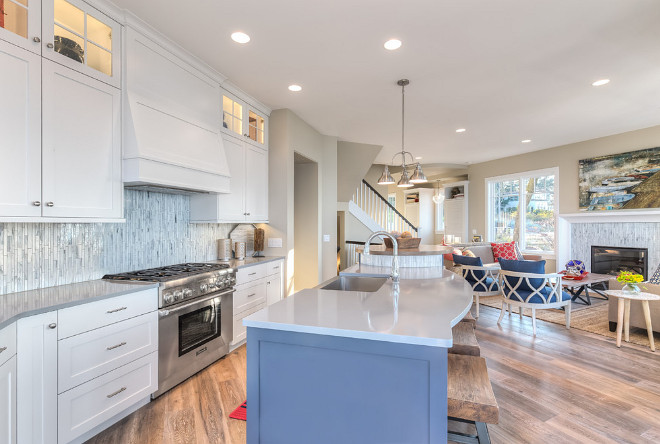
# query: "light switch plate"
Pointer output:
{"type": "Point", "coordinates": [274, 242]}
{"type": "Point", "coordinates": [474, 231]}
{"type": "Point", "coordinates": [326, 238]}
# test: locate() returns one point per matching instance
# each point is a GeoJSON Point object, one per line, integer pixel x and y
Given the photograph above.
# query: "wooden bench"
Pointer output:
{"type": "Point", "coordinates": [464, 339]}
{"type": "Point", "coordinates": [470, 397]}
{"type": "Point", "coordinates": [470, 319]}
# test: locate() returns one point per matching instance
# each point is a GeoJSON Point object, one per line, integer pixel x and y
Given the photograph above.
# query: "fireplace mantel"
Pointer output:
{"type": "Point", "coordinates": [612, 216]}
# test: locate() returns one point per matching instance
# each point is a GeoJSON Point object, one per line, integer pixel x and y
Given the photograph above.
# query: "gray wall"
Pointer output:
{"type": "Point", "coordinates": [306, 226]}
{"type": "Point", "coordinates": [565, 157]}
{"type": "Point", "coordinates": [353, 162]}
{"type": "Point", "coordinates": [157, 232]}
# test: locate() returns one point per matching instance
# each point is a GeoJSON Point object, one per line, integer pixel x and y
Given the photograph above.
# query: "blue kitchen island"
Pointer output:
{"type": "Point", "coordinates": [362, 361]}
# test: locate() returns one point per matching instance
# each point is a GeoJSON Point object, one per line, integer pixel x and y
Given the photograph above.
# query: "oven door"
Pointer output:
{"type": "Point", "coordinates": [192, 336]}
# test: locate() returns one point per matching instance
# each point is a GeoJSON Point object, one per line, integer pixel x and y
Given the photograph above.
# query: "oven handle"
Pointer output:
{"type": "Point", "coordinates": [168, 312]}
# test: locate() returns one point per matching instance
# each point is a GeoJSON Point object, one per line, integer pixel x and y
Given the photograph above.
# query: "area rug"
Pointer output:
{"type": "Point", "coordinates": [240, 412]}
{"type": "Point", "coordinates": [591, 318]}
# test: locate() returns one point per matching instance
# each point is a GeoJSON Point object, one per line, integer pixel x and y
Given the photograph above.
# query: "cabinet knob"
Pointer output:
{"type": "Point", "coordinates": [247, 214]}
{"type": "Point", "coordinates": [36, 203]}
{"type": "Point", "coordinates": [36, 39]}
{"type": "Point", "coordinates": [50, 45]}
{"type": "Point", "coordinates": [50, 204]}
{"type": "Point", "coordinates": [52, 326]}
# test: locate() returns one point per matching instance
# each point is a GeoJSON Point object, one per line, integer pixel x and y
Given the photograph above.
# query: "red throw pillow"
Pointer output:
{"type": "Point", "coordinates": [504, 250]}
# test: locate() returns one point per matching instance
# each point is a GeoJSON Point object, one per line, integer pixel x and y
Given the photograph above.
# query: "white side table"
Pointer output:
{"type": "Point", "coordinates": [624, 313]}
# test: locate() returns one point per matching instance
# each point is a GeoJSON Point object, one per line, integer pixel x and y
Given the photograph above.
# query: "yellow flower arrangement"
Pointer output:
{"type": "Point", "coordinates": [629, 277]}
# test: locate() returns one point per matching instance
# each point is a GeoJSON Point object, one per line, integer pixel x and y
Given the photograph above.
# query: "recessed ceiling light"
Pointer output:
{"type": "Point", "coordinates": [526, 140]}
{"type": "Point", "coordinates": [601, 82]}
{"type": "Point", "coordinates": [295, 88]}
{"type": "Point", "coordinates": [418, 158]}
{"type": "Point", "coordinates": [392, 44]}
{"type": "Point", "coordinates": [240, 37]}
{"type": "Point", "coordinates": [460, 130]}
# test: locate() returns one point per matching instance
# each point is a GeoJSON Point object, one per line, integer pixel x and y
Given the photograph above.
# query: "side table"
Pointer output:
{"type": "Point", "coordinates": [624, 313]}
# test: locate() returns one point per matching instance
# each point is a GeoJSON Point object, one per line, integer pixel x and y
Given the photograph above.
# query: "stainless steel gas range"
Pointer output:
{"type": "Point", "coordinates": [195, 317]}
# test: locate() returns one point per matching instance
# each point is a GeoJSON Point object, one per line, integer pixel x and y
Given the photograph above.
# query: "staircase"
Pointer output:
{"type": "Point", "coordinates": [376, 213]}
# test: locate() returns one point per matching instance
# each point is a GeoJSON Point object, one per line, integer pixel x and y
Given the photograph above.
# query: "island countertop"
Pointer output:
{"type": "Point", "coordinates": [420, 310]}
{"type": "Point", "coordinates": [422, 250]}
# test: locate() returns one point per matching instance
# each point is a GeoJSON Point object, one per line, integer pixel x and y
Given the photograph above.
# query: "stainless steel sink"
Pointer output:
{"type": "Point", "coordinates": [354, 283]}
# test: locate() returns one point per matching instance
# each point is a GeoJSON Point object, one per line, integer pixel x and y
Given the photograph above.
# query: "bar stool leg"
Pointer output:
{"type": "Point", "coordinates": [619, 325]}
{"type": "Point", "coordinates": [482, 433]}
{"type": "Point", "coordinates": [626, 320]}
{"type": "Point", "coordinates": [649, 327]}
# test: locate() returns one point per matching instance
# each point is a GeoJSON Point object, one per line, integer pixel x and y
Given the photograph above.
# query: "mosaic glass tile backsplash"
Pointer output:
{"type": "Point", "coordinates": [616, 234]}
{"type": "Point", "coordinates": [157, 232]}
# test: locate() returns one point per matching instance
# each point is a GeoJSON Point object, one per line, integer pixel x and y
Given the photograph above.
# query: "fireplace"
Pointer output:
{"type": "Point", "coordinates": [612, 260]}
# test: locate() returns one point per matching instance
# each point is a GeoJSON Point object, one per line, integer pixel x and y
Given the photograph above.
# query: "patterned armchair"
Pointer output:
{"type": "Point", "coordinates": [524, 285]}
{"type": "Point", "coordinates": [483, 279]}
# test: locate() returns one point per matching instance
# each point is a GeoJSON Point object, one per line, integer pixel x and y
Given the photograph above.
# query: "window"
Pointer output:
{"type": "Point", "coordinates": [232, 115]}
{"type": "Point", "coordinates": [523, 208]}
{"type": "Point", "coordinates": [439, 202]}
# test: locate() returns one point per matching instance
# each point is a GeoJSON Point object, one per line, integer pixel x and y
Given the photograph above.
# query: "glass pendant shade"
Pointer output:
{"type": "Point", "coordinates": [437, 198]}
{"type": "Point", "coordinates": [418, 175]}
{"type": "Point", "coordinates": [386, 178]}
{"type": "Point", "coordinates": [404, 182]}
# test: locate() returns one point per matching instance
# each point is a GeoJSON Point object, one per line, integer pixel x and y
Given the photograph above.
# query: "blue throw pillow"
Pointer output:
{"type": "Point", "coordinates": [537, 267]}
{"type": "Point", "coordinates": [470, 275]}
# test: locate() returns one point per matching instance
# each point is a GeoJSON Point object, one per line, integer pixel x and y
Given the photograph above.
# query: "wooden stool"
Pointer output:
{"type": "Point", "coordinates": [469, 319]}
{"type": "Point", "coordinates": [624, 313]}
{"type": "Point", "coordinates": [470, 397]}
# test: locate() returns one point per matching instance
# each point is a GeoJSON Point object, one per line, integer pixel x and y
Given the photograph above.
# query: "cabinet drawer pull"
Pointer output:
{"type": "Point", "coordinates": [116, 310]}
{"type": "Point", "coordinates": [36, 203]}
{"type": "Point", "coordinates": [36, 39]}
{"type": "Point", "coordinates": [52, 326]}
{"type": "Point", "coordinates": [116, 346]}
{"type": "Point", "coordinates": [250, 295]}
{"type": "Point", "coordinates": [252, 274]}
{"type": "Point", "coordinates": [50, 204]}
{"type": "Point", "coordinates": [116, 393]}
{"type": "Point", "coordinates": [276, 268]}
{"type": "Point", "coordinates": [50, 45]}
{"type": "Point", "coordinates": [2, 349]}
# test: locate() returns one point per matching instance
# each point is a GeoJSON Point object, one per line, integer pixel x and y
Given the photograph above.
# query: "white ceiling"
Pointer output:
{"type": "Point", "coordinates": [506, 70]}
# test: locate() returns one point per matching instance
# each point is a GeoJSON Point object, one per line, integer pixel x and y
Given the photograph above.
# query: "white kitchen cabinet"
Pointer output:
{"type": "Point", "coordinates": [8, 402]}
{"type": "Point", "coordinates": [21, 24]}
{"type": "Point", "coordinates": [36, 388]}
{"type": "Point", "coordinates": [241, 119]}
{"type": "Point", "coordinates": [419, 210]}
{"type": "Point", "coordinates": [274, 281]}
{"type": "Point", "coordinates": [20, 129]}
{"type": "Point", "coordinates": [247, 200]}
{"type": "Point", "coordinates": [81, 148]}
{"type": "Point", "coordinates": [456, 211]}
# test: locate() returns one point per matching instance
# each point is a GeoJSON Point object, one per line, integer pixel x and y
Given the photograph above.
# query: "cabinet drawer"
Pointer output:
{"type": "Point", "coordinates": [89, 355]}
{"type": "Point", "coordinates": [240, 329]}
{"type": "Point", "coordinates": [274, 267]}
{"type": "Point", "coordinates": [86, 317]}
{"type": "Point", "coordinates": [7, 343]}
{"type": "Point", "coordinates": [246, 298]}
{"type": "Point", "coordinates": [249, 274]}
{"type": "Point", "coordinates": [88, 405]}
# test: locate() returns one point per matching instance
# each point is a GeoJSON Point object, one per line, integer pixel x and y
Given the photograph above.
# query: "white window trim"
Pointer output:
{"type": "Point", "coordinates": [542, 172]}
{"type": "Point", "coordinates": [436, 209]}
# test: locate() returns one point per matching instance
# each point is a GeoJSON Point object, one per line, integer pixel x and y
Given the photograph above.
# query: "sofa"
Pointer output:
{"type": "Point", "coordinates": [485, 252]}
{"type": "Point", "coordinates": [636, 314]}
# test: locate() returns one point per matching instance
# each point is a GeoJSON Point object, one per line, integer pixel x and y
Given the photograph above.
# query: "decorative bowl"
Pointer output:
{"type": "Point", "coordinates": [404, 243]}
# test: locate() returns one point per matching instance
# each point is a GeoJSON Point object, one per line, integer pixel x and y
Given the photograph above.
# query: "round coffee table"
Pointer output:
{"type": "Point", "coordinates": [624, 313]}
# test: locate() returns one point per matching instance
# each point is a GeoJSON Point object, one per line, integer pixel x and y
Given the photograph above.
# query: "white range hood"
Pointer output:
{"type": "Point", "coordinates": [172, 119]}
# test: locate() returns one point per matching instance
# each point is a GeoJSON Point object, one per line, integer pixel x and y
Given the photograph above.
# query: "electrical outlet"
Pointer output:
{"type": "Point", "coordinates": [326, 238]}
{"type": "Point", "coordinates": [274, 242]}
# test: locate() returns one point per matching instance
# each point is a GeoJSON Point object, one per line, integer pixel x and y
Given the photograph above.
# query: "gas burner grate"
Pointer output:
{"type": "Point", "coordinates": [166, 273]}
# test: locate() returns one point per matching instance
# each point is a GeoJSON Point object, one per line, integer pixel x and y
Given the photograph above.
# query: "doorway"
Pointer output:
{"type": "Point", "coordinates": [306, 236]}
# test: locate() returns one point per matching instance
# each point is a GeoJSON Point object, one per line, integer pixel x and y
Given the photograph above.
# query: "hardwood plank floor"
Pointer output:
{"type": "Point", "coordinates": [564, 386]}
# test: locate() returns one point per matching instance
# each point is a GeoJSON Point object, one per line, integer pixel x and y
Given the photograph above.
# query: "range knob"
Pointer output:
{"type": "Point", "coordinates": [203, 288]}
{"type": "Point", "coordinates": [167, 298]}
{"type": "Point", "coordinates": [187, 292]}
{"type": "Point", "coordinates": [178, 295]}
{"type": "Point", "coordinates": [212, 285]}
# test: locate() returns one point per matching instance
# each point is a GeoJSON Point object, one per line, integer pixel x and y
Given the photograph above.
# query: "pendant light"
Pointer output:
{"type": "Point", "coordinates": [418, 176]}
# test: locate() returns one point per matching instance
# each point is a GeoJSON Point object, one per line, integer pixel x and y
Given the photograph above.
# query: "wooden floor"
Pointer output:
{"type": "Point", "coordinates": [560, 387]}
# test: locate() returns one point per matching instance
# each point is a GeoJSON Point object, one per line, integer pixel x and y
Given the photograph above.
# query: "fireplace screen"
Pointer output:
{"type": "Point", "coordinates": [612, 260]}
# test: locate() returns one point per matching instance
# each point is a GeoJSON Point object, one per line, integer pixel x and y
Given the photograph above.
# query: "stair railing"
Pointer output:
{"type": "Point", "coordinates": [380, 210]}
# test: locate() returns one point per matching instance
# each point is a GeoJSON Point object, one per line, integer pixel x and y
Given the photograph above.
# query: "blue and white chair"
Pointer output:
{"type": "Point", "coordinates": [483, 279]}
{"type": "Point", "coordinates": [525, 284]}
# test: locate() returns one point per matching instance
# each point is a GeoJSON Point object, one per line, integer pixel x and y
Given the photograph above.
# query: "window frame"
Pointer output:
{"type": "Point", "coordinates": [490, 227]}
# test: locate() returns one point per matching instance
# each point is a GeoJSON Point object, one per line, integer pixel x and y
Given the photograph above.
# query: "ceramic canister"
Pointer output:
{"type": "Point", "coordinates": [239, 250]}
{"type": "Point", "coordinates": [224, 249]}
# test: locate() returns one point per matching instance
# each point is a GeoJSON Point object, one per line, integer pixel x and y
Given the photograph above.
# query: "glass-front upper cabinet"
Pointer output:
{"type": "Point", "coordinates": [232, 115]}
{"type": "Point", "coordinates": [82, 38]}
{"type": "Point", "coordinates": [257, 127]}
{"type": "Point", "coordinates": [20, 23]}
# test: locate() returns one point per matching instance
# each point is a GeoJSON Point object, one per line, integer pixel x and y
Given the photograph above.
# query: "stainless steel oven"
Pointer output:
{"type": "Point", "coordinates": [191, 336]}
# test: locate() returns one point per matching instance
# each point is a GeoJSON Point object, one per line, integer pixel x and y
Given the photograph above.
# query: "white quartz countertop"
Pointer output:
{"type": "Point", "coordinates": [248, 261]}
{"type": "Point", "coordinates": [420, 310]}
{"type": "Point", "coordinates": [14, 306]}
